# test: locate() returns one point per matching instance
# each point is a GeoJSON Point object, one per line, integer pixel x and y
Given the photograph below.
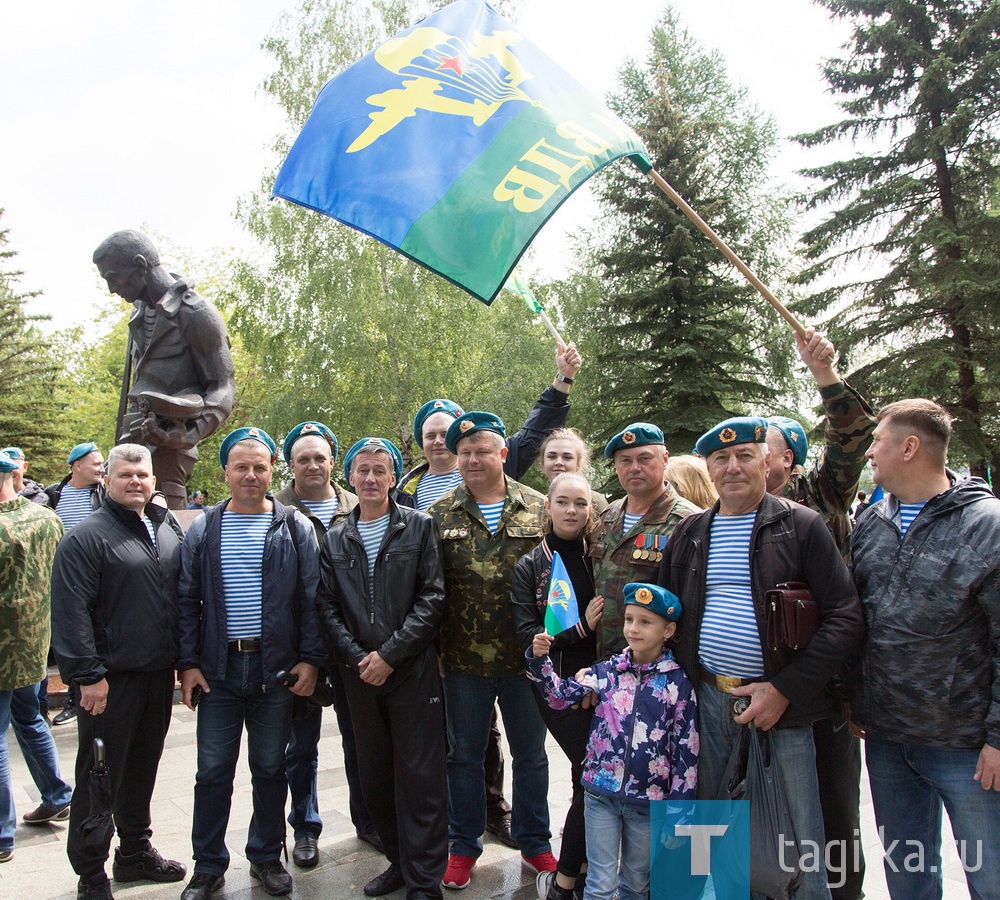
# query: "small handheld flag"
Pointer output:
{"type": "Point", "coordinates": [561, 610]}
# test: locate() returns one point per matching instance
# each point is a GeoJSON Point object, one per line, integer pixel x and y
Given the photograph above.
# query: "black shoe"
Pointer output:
{"type": "Point", "coordinates": [500, 829]}
{"type": "Point", "coordinates": [146, 865]}
{"type": "Point", "coordinates": [96, 888]}
{"type": "Point", "coordinates": [273, 876]}
{"type": "Point", "coordinates": [68, 714]}
{"type": "Point", "coordinates": [305, 854]}
{"type": "Point", "coordinates": [373, 840]}
{"type": "Point", "coordinates": [202, 885]}
{"type": "Point", "coordinates": [390, 880]}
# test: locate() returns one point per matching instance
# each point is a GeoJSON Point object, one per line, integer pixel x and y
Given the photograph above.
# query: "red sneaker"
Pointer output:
{"type": "Point", "coordinates": [457, 875]}
{"type": "Point", "coordinates": [543, 862]}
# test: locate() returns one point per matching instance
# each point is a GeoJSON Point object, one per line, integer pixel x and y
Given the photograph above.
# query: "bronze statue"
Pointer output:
{"type": "Point", "coordinates": [182, 387]}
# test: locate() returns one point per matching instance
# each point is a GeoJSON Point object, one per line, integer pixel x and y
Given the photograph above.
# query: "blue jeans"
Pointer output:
{"type": "Point", "coordinates": [910, 784]}
{"type": "Point", "coordinates": [20, 707]}
{"type": "Point", "coordinates": [612, 826]}
{"type": "Point", "coordinates": [796, 756]}
{"type": "Point", "coordinates": [469, 701]}
{"type": "Point", "coordinates": [236, 701]}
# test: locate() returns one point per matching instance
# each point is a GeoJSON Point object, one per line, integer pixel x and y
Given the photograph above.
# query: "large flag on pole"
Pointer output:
{"type": "Point", "coordinates": [561, 610]}
{"type": "Point", "coordinates": [453, 142]}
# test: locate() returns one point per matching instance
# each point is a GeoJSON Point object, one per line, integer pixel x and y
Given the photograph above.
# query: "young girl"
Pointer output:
{"type": "Point", "coordinates": [569, 507]}
{"type": "Point", "coordinates": [643, 742]}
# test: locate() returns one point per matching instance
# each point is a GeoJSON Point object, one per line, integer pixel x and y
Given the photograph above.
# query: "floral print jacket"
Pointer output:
{"type": "Point", "coordinates": [643, 742]}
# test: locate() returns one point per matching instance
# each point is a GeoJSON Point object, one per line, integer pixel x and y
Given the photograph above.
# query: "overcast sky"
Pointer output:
{"type": "Point", "coordinates": [120, 114]}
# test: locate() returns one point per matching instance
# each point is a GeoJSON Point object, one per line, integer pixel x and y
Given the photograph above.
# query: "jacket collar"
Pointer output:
{"type": "Point", "coordinates": [657, 514]}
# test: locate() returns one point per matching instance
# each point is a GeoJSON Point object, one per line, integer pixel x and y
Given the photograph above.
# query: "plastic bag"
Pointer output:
{"type": "Point", "coordinates": [752, 774]}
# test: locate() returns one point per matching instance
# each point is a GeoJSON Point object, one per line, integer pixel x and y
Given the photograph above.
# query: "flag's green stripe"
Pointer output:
{"type": "Point", "coordinates": [473, 239]}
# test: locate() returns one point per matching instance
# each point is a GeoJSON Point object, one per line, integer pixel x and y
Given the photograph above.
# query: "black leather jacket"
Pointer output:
{"type": "Point", "coordinates": [404, 615]}
{"type": "Point", "coordinates": [789, 543]}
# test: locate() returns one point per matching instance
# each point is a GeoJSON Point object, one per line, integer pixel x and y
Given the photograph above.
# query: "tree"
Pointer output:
{"type": "Point", "coordinates": [911, 235]}
{"type": "Point", "coordinates": [29, 375]}
{"type": "Point", "coordinates": [678, 337]}
{"type": "Point", "coordinates": [343, 329]}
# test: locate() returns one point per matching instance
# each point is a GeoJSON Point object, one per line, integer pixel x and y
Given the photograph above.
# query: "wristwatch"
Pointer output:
{"type": "Point", "coordinates": [565, 379]}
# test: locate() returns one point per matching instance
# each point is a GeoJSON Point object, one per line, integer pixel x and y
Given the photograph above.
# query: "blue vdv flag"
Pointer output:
{"type": "Point", "coordinates": [561, 610]}
{"type": "Point", "coordinates": [453, 142]}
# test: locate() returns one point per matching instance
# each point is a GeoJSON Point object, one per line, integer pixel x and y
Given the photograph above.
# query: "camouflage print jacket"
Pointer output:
{"type": "Point", "coordinates": [830, 487]}
{"type": "Point", "coordinates": [477, 631]}
{"type": "Point", "coordinates": [930, 671]}
{"type": "Point", "coordinates": [29, 534]}
{"type": "Point", "coordinates": [345, 503]}
{"type": "Point", "coordinates": [618, 561]}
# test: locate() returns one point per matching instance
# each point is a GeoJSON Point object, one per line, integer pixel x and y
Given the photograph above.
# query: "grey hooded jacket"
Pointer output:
{"type": "Point", "coordinates": [930, 669]}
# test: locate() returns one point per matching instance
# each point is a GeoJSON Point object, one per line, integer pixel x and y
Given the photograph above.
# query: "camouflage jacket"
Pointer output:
{"type": "Point", "coordinates": [617, 559]}
{"type": "Point", "coordinates": [831, 485]}
{"type": "Point", "coordinates": [345, 503]}
{"type": "Point", "coordinates": [930, 672]}
{"type": "Point", "coordinates": [477, 630]}
{"type": "Point", "coordinates": [29, 534]}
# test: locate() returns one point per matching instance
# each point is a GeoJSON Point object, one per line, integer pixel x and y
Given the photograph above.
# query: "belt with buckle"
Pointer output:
{"type": "Point", "coordinates": [725, 683]}
{"type": "Point", "coordinates": [245, 645]}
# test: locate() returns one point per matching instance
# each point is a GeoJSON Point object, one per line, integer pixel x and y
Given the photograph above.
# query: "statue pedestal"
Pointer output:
{"type": "Point", "coordinates": [186, 516]}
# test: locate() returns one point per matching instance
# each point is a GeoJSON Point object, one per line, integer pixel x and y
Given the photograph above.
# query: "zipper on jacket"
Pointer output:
{"type": "Point", "coordinates": [631, 731]}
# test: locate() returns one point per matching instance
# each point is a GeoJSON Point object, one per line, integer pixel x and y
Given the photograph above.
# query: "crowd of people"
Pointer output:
{"type": "Point", "coordinates": [417, 604]}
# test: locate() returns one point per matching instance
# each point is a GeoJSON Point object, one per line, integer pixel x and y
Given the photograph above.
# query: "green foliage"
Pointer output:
{"type": "Point", "coordinates": [29, 377]}
{"type": "Point", "coordinates": [676, 334]}
{"type": "Point", "coordinates": [907, 260]}
{"type": "Point", "coordinates": [341, 328]}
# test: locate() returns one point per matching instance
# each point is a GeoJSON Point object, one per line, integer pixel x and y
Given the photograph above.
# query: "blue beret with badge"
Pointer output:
{"type": "Point", "coordinates": [740, 430]}
{"type": "Point", "coordinates": [469, 423]}
{"type": "Point", "coordinates": [80, 451]}
{"type": "Point", "coordinates": [654, 598]}
{"type": "Point", "coordinates": [427, 410]}
{"type": "Point", "coordinates": [795, 436]}
{"type": "Point", "coordinates": [247, 434]}
{"type": "Point", "coordinates": [309, 429]}
{"type": "Point", "coordinates": [13, 452]}
{"type": "Point", "coordinates": [6, 463]}
{"type": "Point", "coordinates": [371, 444]}
{"type": "Point", "coordinates": [638, 434]}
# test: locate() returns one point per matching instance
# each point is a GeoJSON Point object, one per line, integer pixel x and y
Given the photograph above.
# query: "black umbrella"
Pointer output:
{"type": "Point", "coordinates": [99, 826]}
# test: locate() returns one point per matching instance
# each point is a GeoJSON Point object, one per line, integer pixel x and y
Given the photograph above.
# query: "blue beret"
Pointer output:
{"type": "Point", "coordinates": [638, 434]}
{"type": "Point", "coordinates": [794, 434]}
{"type": "Point", "coordinates": [428, 409]}
{"type": "Point", "coordinates": [741, 430]}
{"type": "Point", "coordinates": [374, 443]}
{"type": "Point", "coordinates": [80, 451]}
{"type": "Point", "coordinates": [307, 429]}
{"type": "Point", "coordinates": [6, 463]}
{"type": "Point", "coordinates": [13, 452]}
{"type": "Point", "coordinates": [654, 598]}
{"type": "Point", "coordinates": [469, 423]}
{"type": "Point", "coordinates": [246, 434]}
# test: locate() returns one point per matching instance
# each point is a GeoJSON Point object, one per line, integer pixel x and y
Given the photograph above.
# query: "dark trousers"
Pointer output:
{"type": "Point", "coordinates": [571, 729]}
{"type": "Point", "coordinates": [132, 726]}
{"type": "Point", "coordinates": [838, 769]}
{"type": "Point", "coordinates": [302, 764]}
{"type": "Point", "coordinates": [400, 734]}
{"type": "Point", "coordinates": [496, 806]}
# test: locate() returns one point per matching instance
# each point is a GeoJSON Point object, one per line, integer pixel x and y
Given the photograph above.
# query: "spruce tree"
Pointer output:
{"type": "Point", "coordinates": [678, 336]}
{"type": "Point", "coordinates": [906, 260]}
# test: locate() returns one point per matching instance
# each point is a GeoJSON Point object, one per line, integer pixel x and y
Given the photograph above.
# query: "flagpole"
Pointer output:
{"type": "Point", "coordinates": [748, 273]}
{"type": "Point", "coordinates": [551, 327]}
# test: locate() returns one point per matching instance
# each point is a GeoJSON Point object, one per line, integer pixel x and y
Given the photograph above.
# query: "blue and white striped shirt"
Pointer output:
{"type": "Point", "coordinates": [492, 512]}
{"type": "Point", "coordinates": [907, 513]}
{"type": "Point", "coordinates": [243, 537]}
{"type": "Point", "coordinates": [431, 488]}
{"type": "Point", "coordinates": [149, 528]}
{"type": "Point", "coordinates": [730, 642]}
{"type": "Point", "coordinates": [630, 521]}
{"type": "Point", "coordinates": [323, 509]}
{"type": "Point", "coordinates": [74, 505]}
{"type": "Point", "coordinates": [372, 533]}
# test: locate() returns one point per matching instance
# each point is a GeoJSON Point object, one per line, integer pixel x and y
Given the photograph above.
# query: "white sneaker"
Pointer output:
{"type": "Point", "coordinates": [543, 880]}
